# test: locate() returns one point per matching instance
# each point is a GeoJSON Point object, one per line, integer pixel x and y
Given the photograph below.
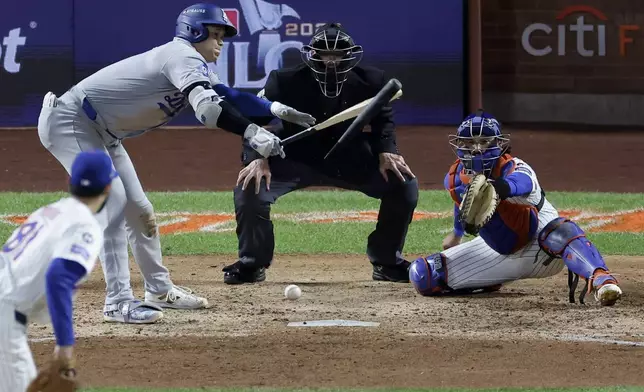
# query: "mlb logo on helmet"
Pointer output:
{"type": "Point", "coordinates": [231, 15]}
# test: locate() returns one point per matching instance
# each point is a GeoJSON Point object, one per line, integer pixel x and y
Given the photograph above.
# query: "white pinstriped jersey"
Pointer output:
{"type": "Point", "coordinates": [548, 212]}
{"type": "Point", "coordinates": [475, 264]}
{"type": "Point", "coordinates": [65, 229]}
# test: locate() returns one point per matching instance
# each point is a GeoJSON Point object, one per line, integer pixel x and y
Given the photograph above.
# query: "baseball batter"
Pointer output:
{"type": "Point", "coordinates": [127, 99]}
{"type": "Point", "coordinates": [525, 238]}
{"type": "Point", "coordinates": [43, 262]}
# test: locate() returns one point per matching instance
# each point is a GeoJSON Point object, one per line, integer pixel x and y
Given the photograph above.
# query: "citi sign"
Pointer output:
{"type": "Point", "coordinates": [591, 37]}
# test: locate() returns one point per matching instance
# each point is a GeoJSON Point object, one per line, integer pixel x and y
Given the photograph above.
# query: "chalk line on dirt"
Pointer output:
{"type": "Point", "coordinates": [591, 339]}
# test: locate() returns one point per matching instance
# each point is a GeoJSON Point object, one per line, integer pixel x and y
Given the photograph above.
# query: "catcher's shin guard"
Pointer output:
{"type": "Point", "coordinates": [429, 274]}
{"type": "Point", "coordinates": [563, 238]}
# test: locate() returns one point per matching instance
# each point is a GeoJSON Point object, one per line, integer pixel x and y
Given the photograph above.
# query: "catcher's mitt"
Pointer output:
{"type": "Point", "coordinates": [478, 204]}
{"type": "Point", "coordinates": [58, 376]}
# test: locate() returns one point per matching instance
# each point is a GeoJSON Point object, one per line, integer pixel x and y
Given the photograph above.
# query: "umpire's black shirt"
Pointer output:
{"type": "Point", "coordinates": [297, 87]}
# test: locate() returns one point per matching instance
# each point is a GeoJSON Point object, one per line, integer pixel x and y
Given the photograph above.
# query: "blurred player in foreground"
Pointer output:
{"type": "Point", "coordinates": [43, 262]}
{"type": "Point", "coordinates": [525, 238]}
{"type": "Point", "coordinates": [128, 98]}
{"type": "Point", "coordinates": [328, 82]}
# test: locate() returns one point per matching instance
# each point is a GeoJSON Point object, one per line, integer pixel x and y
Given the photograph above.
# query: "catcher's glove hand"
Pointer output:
{"type": "Point", "coordinates": [58, 376]}
{"type": "Point", "coordinates": [478, 204]}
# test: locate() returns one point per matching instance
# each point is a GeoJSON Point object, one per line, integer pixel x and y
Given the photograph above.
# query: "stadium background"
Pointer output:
{"type": "Point", "coordinates": [572, 105]}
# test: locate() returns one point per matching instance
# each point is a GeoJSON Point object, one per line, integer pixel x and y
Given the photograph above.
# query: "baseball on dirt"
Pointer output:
{"type": "Point", "coordinates": [292, 292]}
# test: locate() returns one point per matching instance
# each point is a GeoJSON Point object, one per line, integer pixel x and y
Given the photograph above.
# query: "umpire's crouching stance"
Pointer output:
{"type": "Point", "coordinates": [326, 84]}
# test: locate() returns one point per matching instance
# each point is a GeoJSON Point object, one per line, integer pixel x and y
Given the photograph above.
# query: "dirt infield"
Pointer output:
{"type": "Point", "coordinates": [200, 159]}
{"type": "Point", "coordinates": [525, 335]}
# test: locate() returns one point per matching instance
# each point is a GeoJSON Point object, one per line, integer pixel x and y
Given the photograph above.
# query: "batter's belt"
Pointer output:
{"type": "Point", "coordinates": [108, 137]}
{"type": "Point", "coordinates": [20, 318]}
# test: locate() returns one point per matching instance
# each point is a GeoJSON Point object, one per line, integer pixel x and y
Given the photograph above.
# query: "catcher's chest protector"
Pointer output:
{"type": "Point", "coordinates": [513, 226]}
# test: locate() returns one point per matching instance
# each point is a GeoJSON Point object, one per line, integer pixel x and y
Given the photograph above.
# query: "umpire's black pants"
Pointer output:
{"type": "Point", "coordinates": [385, 243]}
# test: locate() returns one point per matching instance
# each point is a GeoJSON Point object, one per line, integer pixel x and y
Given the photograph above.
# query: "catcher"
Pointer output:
{"type": "Point", "coordinates": [41, 265]}
{"type": "Point", "coordinates": [519, 233]}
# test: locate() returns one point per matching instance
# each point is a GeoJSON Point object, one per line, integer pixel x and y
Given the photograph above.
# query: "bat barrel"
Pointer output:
{"type": "Point", "coordinates": [386, 94]}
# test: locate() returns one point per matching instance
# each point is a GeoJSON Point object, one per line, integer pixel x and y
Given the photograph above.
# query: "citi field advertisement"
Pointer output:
{"type": "Point", "coordinates": [50, 47]}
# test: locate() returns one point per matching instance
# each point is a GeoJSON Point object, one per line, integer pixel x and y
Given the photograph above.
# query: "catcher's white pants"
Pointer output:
{"type": "Point", "coordinates": [65, 130]}
{"type": "Point", "coordinates": [17, 367]}
{"type": "Point", "coordinates": [474, 264]}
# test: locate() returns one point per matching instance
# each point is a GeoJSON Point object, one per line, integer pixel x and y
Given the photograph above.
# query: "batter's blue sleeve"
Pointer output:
{"type": "Point", "coordinates": [249, 105]}
{"type": "Point", "coordinates": [458, 226]}
{"type": "Point", "coordinates": [61, 279]}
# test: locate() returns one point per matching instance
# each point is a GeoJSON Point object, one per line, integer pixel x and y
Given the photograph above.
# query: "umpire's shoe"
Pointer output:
{"type": "Point", "coordinates": [239, 273]}
{"type": "Point", "coordinates": [394, 273]}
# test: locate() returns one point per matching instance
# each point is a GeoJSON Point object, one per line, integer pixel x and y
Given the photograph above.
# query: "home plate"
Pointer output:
{"type": "Point", "coordinates": [333, 323]}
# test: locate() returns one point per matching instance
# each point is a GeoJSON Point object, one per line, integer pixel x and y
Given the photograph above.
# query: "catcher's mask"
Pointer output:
{"type": "Point", "coordinates": [479, 143]}
{"type": "Point", "coordinates": [331, 54]}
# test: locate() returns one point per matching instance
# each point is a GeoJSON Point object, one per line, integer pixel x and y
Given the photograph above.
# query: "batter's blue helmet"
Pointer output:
{"type": "Point", "coordinates": [192, 22]}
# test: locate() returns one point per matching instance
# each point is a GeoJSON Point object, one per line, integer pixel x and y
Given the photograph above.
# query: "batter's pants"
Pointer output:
{"type": "Point", "coordinates": [65, 130]}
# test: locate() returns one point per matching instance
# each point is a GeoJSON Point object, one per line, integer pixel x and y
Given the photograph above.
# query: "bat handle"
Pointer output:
{"type": "Point", "coordinates": [298, 136]}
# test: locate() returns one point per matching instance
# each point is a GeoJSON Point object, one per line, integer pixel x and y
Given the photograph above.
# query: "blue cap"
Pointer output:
{"type": "Point", "coordinates": [92, 172]}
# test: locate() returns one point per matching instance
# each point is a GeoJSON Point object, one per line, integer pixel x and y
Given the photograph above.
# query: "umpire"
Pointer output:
{"type": "Point", "coordinates": [328, 82]}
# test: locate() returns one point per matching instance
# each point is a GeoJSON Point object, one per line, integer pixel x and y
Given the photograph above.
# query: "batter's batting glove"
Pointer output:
{"type": "Point", "coordinates": [289, 114]}
{"type": "Point", "coordinates": [264, 142]}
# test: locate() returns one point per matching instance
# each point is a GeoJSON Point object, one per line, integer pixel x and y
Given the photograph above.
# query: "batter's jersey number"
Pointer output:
{"type": "Point", "coordinates": [302, 29]}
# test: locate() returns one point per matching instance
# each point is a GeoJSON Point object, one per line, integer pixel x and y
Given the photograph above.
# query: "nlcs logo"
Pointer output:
{"type": "Point", "coordinates": [263, 19]}
{"type": "Point", "coordinates": [580, 28]}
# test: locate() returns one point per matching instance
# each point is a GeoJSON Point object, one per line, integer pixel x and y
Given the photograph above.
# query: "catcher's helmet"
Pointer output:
{"type": "Point", "coordinates": [331, 54]}
{"type": "Point", "coordinates": [479, 143]}
{"type": "Point", "coordinates": [192, 22]}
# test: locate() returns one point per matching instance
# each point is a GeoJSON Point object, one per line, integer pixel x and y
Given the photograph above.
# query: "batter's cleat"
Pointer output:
{"type": "Point", "coordinates": [177, 298]}
{"type": "Point", "coordinates": [237, 273]}
{"type": "Point", "coordinates": [396, 273]}
{"type": "Point", "coordinates": [132, 312]}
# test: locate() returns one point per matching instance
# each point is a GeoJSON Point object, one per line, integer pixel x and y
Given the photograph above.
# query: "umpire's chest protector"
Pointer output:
{"type": "Point", "coordinates": [513, 225]}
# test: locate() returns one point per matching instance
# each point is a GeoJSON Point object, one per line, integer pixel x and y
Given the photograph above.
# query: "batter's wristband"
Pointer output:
{"type": "Point", "coordinates": [249, 154]}
{"type": "Point", "coordinates": [231, 120]}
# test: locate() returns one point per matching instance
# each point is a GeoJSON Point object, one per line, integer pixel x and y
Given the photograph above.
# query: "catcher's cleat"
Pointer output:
{"type": "Point", "coordinates": [474, 290]}
{"type": "Point", "coordinates": [397, 273]}
{"type": "Point", "coordinates": [238, 273]}
{"type": "Point", "coordinates": [608, 294]}
{"type": "Point", "coordinates": [602, 284]}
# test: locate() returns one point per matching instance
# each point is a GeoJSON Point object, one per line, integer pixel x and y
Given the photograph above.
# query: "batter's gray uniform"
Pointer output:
{"type": "Point", "coordinates": [123, 100]}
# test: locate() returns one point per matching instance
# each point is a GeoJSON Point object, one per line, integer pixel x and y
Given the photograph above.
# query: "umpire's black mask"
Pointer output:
{"type": "Point", "coordinates": [331, 54]}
